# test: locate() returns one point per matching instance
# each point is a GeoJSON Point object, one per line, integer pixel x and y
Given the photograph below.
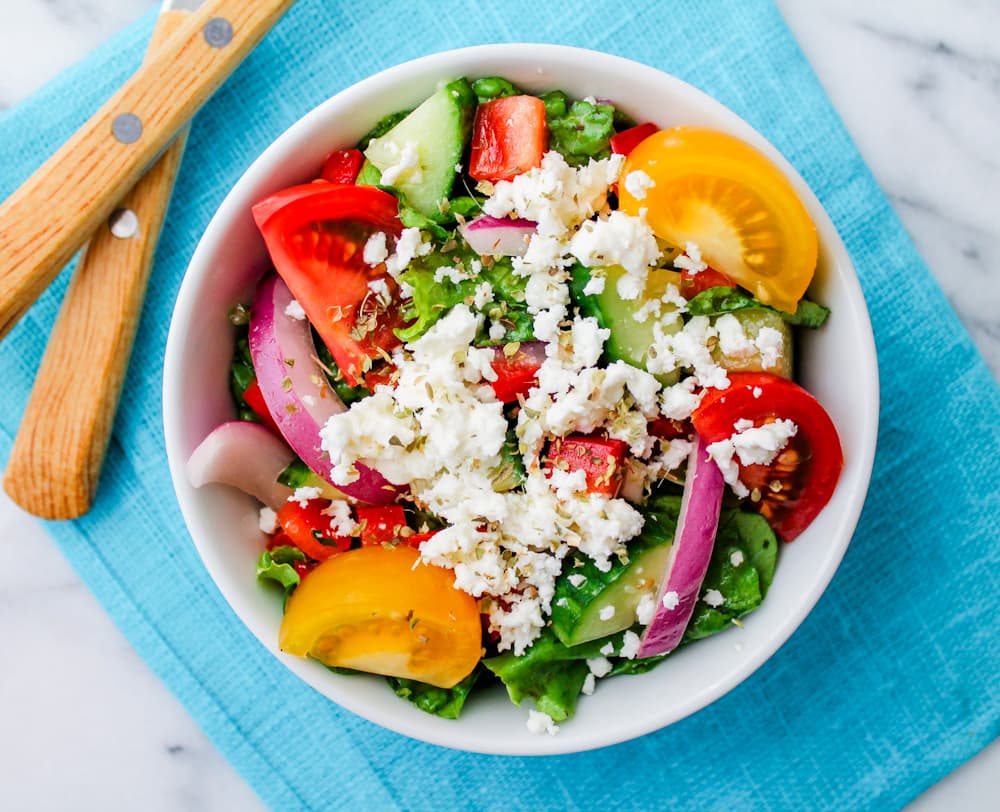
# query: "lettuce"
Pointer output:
{"type": "Point", "coordinates": [719, 300]}
{"type": "Point", "coordinates": [444, 702]}
{"type": "Point", "coordinates": [276, 565]}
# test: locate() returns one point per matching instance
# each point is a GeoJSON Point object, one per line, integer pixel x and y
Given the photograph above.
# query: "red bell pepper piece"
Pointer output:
{"type": "Point", "coordinates": [342, 166]}
{"type": "Point", "coordinates": [509, 137]}
{"type": "Point", "coordinates": [380, 525]}
{"type": "Point", "coordinates": [627, 140]}
{"type": "Point", "coordinates": [601, 459]}
{"type": "Point", "coordinates": [516, 371]}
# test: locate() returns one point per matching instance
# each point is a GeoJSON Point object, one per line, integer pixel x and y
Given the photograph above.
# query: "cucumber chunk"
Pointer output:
{"type": "Point", "coordinates": [432, 137]}
{"type": "Point", "coordinates": [751, 359]}
{"type": "Point", "coordinates": [630, 340]}
{"type": "Point", "coordinates": [583, 593]}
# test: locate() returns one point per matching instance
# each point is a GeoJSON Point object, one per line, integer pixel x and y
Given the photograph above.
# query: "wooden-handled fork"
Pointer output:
{"type": "Point", "coordinates": [56, 459]}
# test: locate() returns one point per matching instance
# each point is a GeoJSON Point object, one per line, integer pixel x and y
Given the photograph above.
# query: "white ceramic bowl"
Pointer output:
{"type": "Point", "coordinates": [838, 365]}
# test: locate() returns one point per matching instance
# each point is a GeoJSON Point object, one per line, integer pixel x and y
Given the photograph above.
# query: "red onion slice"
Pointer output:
{"type": "Point", "coordinates": [245, 455]}
{"type": "Point", "coordinates": [297, 393]}
{"type": "Point", "coordinates": [689, 555]}
{"type": "Point", "coordinates": [493, 236]}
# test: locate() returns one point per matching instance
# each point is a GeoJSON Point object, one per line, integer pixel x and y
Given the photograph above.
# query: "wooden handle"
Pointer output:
{"type": "Point", "coordinates": [56, 460]}
{"type": "Point", "coordinates": [48, 218]}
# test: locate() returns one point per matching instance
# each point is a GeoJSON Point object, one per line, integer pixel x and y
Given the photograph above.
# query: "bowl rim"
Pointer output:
{"type": "Point", "coordinates": [173, 415]}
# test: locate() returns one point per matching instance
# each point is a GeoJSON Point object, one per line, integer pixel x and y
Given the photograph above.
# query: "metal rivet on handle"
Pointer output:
{"type": "Point", "coordinates": [218, 32]}
{"type": "Point", "coordinates": [126, 128]}
{"type": "Point", "coordinates": [123, 223]}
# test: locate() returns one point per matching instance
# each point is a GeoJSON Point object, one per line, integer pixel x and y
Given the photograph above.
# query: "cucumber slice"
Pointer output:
{"type": "Point", "coordinates": [299, 475]}
{"type": "Point", "coordinates": [630, 340]}
{"type": "Point", "coordinates": [438, 131]}
{"type": "Point", "coordinates": [583, 592]}
{"type": "Point", "coordinates": [752, 322]}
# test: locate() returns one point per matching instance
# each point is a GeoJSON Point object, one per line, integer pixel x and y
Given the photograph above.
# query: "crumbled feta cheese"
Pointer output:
{"type": "Point", "coordinates": [606, 613]}
{"type": "Point", "coordinates": [497, 331]}
{"type": "Point", "coordinates": [771, 344]}
{"type": "Point", "coordinates": [752, 446]}
{"type": "Point", "coordinates": [646, 609]}
{"type": "Point", "coordinates": [268, 520]}
{"type": "Point", "coordinates": [757, 392]}
{"type": "Point", "coordinates": [599, 666]}
{"type": "Point", "coordinates": [410, 245]}
{"type": "Point", "coordinates": [589, 684]}
{"type": "Point", "coordinates": [555, 195]}
{"type": "Point", "coordinates": [670, 600]}
{"type": "Point", "coordinates": [407, 167]}
{"type": "Point", "coordinates": [576, 579]}
{"type": "Point", "coordinates": [483, 295]}
{"type": "Point", "coordinates": [736, 558]}
{"type": "Point", "coordinates": [375, 251]}
{"type": "Point", "coordinates": [608, 649]}
{"type": "Point", "coordinates": [630, 645]}
{"type": "Point", "coordinates": [733, 340]}
{"type": "Point", "coordinates": [637, 183]}
{"type": "Point", "coordinates": [679, 401]}
{"type": "Point", "coordinates": [540, 723]}
{"type": "Point", "coordinates": [713, 598]}
{"type": "Point", "coordinates": [595, 285]}
{"type": "Point", "coordinates": [690, 260]}
{"type": "Point", "coordinates": [294, 311]}
{"type": "Point", "coordinates": [304, 495]}
{"type": "Point", "coordinates": [341, 521]}
{"type": "Point", "coordinates": [381, 290]}
{"type": "Point", "coordinates": [618, 239]}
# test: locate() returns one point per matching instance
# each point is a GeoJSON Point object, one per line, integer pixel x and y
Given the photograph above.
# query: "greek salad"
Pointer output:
{"type": "Point", "coordinates": [517, 397]}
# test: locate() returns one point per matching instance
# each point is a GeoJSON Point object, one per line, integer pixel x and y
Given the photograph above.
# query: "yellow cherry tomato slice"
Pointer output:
{"type": "Point", "coordinates": [378, 609]}
{"type": "Point", "coordinates": [725, 196]}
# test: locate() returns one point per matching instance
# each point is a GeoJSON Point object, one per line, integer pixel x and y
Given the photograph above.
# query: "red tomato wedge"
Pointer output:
{"type": "Point", "coordinates": [794, 488]}
{"type": "Point", "coordinates": [627, 140]}
{"type": "Point", "coordinates": [509, 137]}
{"type": "Point", "coordinates": [316, 234]}
{"type": "Point", "coordinates": [308, 528]}
{"type": "Point", "coordinates": [342, 166]}
{"type": "Point", "coordinates": [601, 459]}
{"type": "Point", "coordinates": [694, 283]}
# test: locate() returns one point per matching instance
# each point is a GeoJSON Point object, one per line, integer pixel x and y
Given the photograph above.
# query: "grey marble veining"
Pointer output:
{"type": "Point", "coordinates": [917, 83]}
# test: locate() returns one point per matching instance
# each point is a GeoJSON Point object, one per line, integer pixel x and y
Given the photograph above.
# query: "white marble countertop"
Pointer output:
{"type": "Point", "coordinates": [917, 83]}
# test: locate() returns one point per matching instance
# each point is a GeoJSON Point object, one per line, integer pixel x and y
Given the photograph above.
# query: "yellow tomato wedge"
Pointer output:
{"type": "Point", "coordinates": [722, 194]}
{"type": "Point", "coordinates": [378, 609]}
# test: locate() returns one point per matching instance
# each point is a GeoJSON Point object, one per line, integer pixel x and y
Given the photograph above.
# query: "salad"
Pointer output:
{"type": "Point", "coordinates": [517, 397]}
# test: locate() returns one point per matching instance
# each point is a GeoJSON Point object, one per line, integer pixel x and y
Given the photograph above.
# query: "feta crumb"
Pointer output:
{"type": "Point", "coordinates": [375, 251]}
{"type": "Point", "coordinates": [294, 311]}
{"type": "Point", "coordinates": [497, 331]}
{"type": "Point", "coordinates": [589, 684]}
{"type": "Point", "coordinates": [606, 613]}
{"type": "Point", "coordinates": [304, 495]}
{"type": "Point", "coordinates": [539, 723]}
{"type": "Point", "coordinates": [483, 295]}
{"type": "Point", "coordinates": [637, 183]}
{"type": "Point", "coordinates": [608, 649]}
{"type": "Point", "coordinates": [407, 168]}
{"type": "Point", "coordinates": [646, 609]}
{"type": "Point", "coordinates": [757, 392]}
{"type": "Point", "coordinates": [341, 521]}
{"type": "Point", "coordinates": [690, 260]}
{"type": "Point", "coordinates": [670, 600]}
{"type": "Point", "coordinates": [268, 520]}
{"type": "Point", "coordinates": [595, 285]}
{"type": "Point", "coordinates": [771, 344]}
{"type": "Point", "coordinates": [630, 645]}
{"type": "Point", "coordinates": [599, 666]}
{"type": "Point", "coordinates": [576, 579]}
{"type": "Point", "coordinates": [736, 558]}
{"type": "Point", "coordinates": [713, 598]}
{"type": "Point", "coordinates": [751, 446]}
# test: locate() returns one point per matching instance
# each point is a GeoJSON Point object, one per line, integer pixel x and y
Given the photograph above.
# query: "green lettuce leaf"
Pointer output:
{"type": "Point", "coordinates": [719, 300]}
{"type": "Point", "coordinates": [276, 565]}
{"type": "Point", "coordinates": [444, 702]}
{"type": "Point", "coordinates": [743, 585]}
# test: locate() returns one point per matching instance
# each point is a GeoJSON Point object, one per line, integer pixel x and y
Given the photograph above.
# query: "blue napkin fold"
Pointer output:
{"type": "Point", "coordinates": [892, 681]}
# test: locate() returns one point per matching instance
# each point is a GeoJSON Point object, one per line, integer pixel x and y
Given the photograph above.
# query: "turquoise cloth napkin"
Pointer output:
{"type": "Point", "coordinates": [894, 679]}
